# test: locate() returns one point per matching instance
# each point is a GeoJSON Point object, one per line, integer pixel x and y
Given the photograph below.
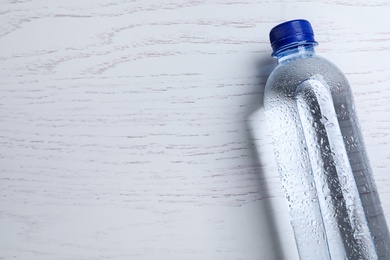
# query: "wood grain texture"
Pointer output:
{"type": "Point", "coordinates": [135, 130]}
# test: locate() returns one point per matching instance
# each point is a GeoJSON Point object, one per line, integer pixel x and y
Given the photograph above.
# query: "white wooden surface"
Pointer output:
{"type": "Point", "coordinates": [128, 128]}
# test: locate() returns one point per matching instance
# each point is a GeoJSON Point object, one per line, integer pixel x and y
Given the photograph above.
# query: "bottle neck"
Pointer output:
{"type": "Point", "coordinates": [298, 51]}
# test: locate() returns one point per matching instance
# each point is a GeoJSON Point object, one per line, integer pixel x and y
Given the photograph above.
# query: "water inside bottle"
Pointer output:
{"type": "Point", "coordinates": [334, 205]}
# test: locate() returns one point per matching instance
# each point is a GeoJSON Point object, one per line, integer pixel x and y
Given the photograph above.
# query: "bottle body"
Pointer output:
{"type": "Point", "coordinates": [333, 201]}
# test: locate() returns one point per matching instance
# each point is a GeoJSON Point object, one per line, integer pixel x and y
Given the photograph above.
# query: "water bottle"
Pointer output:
{"type": "Point", "coordinates": [333, 201]}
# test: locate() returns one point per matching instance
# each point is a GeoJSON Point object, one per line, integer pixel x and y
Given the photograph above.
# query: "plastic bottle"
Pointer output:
{"type": "Point", "coordinates": [333, 200]}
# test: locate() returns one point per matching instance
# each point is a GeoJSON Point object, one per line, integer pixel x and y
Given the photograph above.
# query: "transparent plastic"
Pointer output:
{"type": "Point", "coordinates": [334, 204]}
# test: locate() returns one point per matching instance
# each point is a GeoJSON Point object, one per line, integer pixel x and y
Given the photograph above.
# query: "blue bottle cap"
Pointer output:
{"type": "Point", "coordinates": [294, 32]}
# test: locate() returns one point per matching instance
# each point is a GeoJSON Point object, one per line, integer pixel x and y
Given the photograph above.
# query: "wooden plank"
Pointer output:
{"type": "Point", "coordinates": [135, 129]}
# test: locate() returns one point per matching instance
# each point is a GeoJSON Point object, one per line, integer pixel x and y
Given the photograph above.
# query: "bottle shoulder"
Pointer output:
{"type": "Point", "coordinates": [286, 76]}
{"type": "Point", "coordinates": [309, 65]}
